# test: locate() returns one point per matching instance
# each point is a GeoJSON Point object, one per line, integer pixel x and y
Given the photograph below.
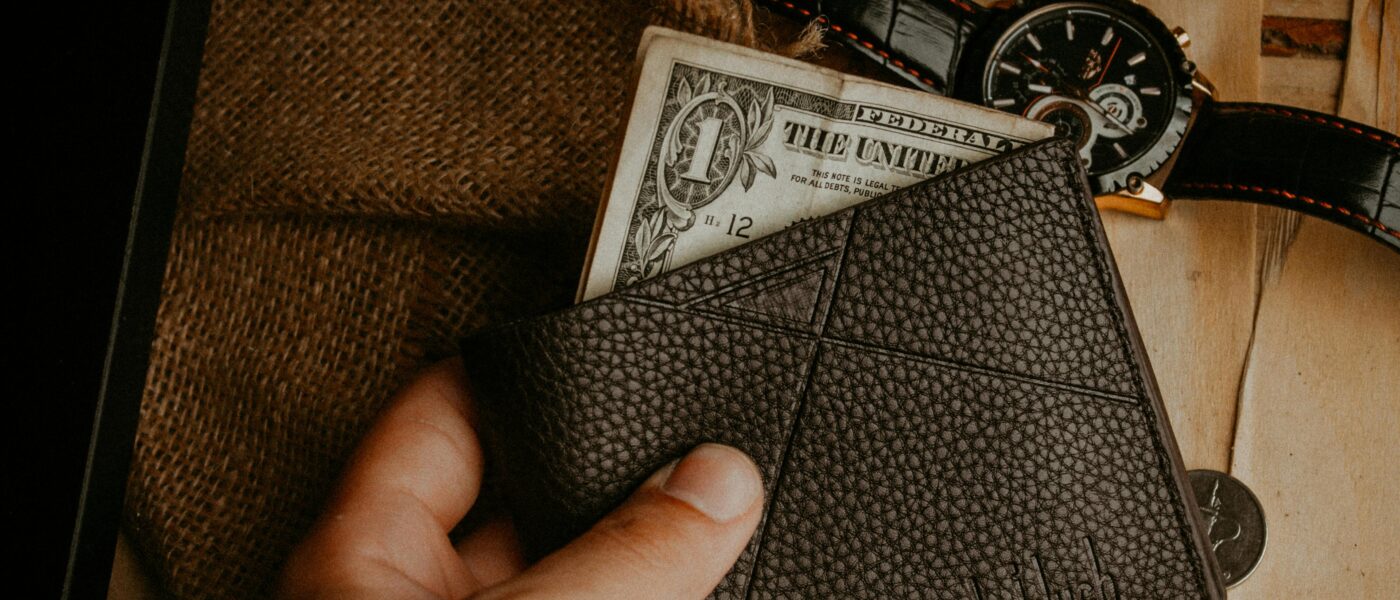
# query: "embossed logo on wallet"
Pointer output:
{"type": "Point", "coordinates": [1032, 581]}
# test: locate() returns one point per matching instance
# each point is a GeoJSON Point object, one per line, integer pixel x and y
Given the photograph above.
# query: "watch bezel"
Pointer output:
{"type": "Point", "coordinates": [977, 60]}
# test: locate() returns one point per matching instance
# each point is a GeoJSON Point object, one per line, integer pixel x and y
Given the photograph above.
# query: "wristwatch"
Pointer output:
{"type": "Point", "coordinates": [1110, 75]}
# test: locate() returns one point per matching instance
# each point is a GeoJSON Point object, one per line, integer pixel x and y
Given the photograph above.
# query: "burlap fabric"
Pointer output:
{"type": "Point", "coordinates": [364, 183]}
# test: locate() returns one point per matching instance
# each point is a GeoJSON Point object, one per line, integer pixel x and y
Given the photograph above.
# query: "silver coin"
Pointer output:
{"type": "Point", "coordinates": [1234, 522]}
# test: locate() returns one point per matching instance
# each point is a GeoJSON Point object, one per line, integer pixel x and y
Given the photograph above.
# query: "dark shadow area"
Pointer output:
{"type": "Point", "coordinates": [81, 94]}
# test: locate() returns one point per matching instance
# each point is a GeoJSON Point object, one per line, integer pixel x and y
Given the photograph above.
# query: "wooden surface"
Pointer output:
{"type": "Point", "coordinates": [1274, 337]}
{"type": "Point", "coordinates": [1191, 278]}
{"type": "Point", "coordinates": [1319, 418]}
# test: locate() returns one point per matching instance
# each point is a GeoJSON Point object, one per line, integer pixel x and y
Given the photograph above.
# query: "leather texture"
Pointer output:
{"type": "Point", "coordinates": [943, 389]}
{"type": "Point", "coordinates": [921, 41]}
{"type": "Point", "coordinates": [1297, 159]}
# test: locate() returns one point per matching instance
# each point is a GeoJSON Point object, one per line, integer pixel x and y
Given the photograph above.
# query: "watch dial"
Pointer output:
{"type": "Point", "coordinates": [1097, 75]}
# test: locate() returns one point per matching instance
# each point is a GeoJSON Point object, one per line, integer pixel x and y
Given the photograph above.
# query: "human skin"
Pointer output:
{"type": "Point", "coordinates": [384, 533]}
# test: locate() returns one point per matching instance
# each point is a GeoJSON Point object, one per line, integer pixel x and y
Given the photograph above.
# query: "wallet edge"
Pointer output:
{"type": "Point", "coordinates": [1164, 436]}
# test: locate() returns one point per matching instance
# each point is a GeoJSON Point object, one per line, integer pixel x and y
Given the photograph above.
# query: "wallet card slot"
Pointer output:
{"type": "Point", "coordinates": [972, 368]}
{"type": "Point", "coordinates": [950, 480]}
{"type": "Point", "coordinates": [996, 268]}
{"type": "Point", "coordinates": [836, 271]}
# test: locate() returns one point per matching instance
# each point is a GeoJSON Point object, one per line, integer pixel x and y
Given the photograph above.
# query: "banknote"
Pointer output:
{"type": "Point", "coordinates": [725, 144]}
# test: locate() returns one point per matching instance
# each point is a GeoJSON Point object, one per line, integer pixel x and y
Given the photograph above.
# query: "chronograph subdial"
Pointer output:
{"type": "Point", "coordinates": [1121, 109]}
{"type": "Point", "coordinates": [1101, 77]}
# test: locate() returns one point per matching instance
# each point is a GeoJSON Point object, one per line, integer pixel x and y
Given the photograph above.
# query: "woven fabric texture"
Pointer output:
{"type": "Point", "coordinates": [365, 182]}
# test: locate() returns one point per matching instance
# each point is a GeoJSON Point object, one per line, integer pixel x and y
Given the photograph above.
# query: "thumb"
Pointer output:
{"type": "Point", "coordinates": [676, 537]}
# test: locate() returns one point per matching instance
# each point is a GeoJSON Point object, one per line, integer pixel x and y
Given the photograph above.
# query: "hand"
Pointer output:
{"type": "Point", "coordinates": [415, 475]}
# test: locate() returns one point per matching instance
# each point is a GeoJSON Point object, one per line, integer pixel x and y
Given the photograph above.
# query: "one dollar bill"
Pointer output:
{"type": "Point", "coordinates": [725, 144]}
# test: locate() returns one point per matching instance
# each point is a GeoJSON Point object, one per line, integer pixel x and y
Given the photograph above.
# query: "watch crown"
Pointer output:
{"type": "Point", "coordinates": [1181, 36]}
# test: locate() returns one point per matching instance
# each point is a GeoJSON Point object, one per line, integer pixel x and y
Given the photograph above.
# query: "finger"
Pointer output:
{"type": "Point", "coordinates": [423, 451]}
{"type": "Point", "coordinates": [492, 552]}
{"type": "Point", "coordinates": [675, 537]}
{"type": "Point", "coordinates": [414, 476]}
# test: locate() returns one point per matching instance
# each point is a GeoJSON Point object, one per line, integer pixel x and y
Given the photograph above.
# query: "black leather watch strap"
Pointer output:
{"type": "Point", "coordinates": [1298, 159]}
{"type": "Point", "coordinates": [919, 40]}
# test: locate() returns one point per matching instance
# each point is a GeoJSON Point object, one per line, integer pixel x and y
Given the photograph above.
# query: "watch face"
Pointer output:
{"type": "Point", "coordinates": [1102, 77]}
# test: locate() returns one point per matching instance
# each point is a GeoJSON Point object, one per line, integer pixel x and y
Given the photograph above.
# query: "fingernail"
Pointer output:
{"type": "Point", "coordinates": [717, 480]}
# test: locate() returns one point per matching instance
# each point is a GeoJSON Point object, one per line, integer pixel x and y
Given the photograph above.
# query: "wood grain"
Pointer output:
{"type": "Point", "coordinates": [1309, 9]}
{"type": "Point", "coordinates": [1260, 324]}
{"type": "Point", "coordinates": [1311, 83]}
{"type": "Point", "coordinates": [1361, 83]}
{"type": "Point", "coordinates": [1388, 70]}
{"type": "Point", "coordinates": [1370, 90]}
{"type": "Point", "coordinates": [1192, 278]}
{"type": "Point", "coordinates": [1318, 421]}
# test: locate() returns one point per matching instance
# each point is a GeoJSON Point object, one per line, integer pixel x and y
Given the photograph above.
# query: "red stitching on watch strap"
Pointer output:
{"type": "Point", "coordinates": [1292, 196]}
{"type": "Point", "coordinates": [1321, 119]}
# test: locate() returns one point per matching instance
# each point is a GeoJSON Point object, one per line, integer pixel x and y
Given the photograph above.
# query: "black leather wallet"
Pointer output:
{"type": "Point", "coordinates": [944, 389]}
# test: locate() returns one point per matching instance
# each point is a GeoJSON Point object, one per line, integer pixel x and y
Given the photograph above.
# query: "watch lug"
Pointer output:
{"type": "Point", "coordinates": [1183, 39]}
{"type": "Point", "coordinates": [1144, 196]}
{"type": "Point", "coordinates": [1147, 201]}
{"type": "Point", "coordinates": [1200, 85]}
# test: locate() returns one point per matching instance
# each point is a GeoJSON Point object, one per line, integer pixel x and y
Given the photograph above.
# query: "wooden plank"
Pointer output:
{"type": "Point", "coordinates": [1318, 419]}
{"type": "Point", "coordinates": [1309, 83]}
{"type": "Point", "coordinates": [1323, 471]}
{"type": "Point", "coordinates": [1314, 9]}
{"type": "Point", "coordinates": [1192, 277]}
{"type": "Point", "coordinates": [1224, 39]}
{"type": "Point", "coordinates": [1360, 85]}
{"type": "Point", "coordinates": [1388, 70]}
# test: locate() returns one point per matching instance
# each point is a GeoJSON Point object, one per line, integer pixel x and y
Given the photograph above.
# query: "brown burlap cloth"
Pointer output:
{"type": "Point", "coordinates": [364, 183]}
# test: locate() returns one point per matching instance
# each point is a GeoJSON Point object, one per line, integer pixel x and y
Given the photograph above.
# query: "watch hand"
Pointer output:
{"type": "Point", "coordinates": [1063, 81]}
{"type": "Point", "coordinates": [1035, 63]}
{"type": "Point", "coordinates": [1057, 79]}
{"type": "Point", "coordinates": [1111, 121]}
{"type": "Point", "coordinates": [1108, 64]}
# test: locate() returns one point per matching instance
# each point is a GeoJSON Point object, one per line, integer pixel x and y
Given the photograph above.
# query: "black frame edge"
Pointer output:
{"type": "Point", "coordinates": [138, 297]}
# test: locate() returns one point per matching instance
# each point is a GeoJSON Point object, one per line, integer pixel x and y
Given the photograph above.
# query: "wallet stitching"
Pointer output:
{"type": "Point", "coordinates": [1149, 411]}
{"type": "Point", "coordinates": [940, 361]}
{"type": "Point", "coordinates": [984, 371]}
{"type": "Point", "coordinates": [758, 281]}
{"type": "Point", "coordinates": [801, 409]}
{"type": "Point", "coordinates": [775, 282]}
